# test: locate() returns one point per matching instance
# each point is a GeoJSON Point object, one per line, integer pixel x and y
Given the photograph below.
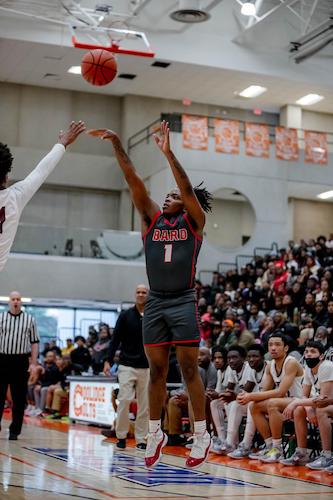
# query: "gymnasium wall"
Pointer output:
{"type": "Point", "coordinates": [311, 218]}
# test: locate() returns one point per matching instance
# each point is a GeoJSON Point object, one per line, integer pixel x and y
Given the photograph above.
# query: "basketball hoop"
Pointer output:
{"type": "Point", "coordinates": [118, 41]}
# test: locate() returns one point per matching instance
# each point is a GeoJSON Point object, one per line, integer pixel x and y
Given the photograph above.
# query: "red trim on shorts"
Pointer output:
{"type": "Point", "coordinates": [156, 216]}
{"type": "Point", "coordinates": [195, 341]}
{"type": "Point", "coordinates": [195, 234]}
{"type": "Point", "coordinates": [161, 343]}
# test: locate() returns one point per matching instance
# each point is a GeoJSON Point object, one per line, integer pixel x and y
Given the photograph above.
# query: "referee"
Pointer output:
{"type": "Point", "coordinates": [18, 338]}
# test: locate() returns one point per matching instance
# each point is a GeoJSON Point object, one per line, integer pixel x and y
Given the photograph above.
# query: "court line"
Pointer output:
{"type": "Point", "coordinates": [56, 474]}
{"type": "Point", "coordinates": [31, 488]}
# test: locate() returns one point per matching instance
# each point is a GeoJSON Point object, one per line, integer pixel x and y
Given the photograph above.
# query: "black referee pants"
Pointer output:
{"type": "Point", "coordinates": [14, 373]}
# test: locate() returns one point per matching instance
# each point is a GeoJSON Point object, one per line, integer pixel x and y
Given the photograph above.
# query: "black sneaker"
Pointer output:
{"type": "Point", "coordinates": [12, 437]}
{"type": "Point", "coordinates": [108, 433]}
{"type": "Point", "coordinates": [141, 446]}
{"type": "Point", "coordinates": [176, 440]}
{"type": "Point", "coordinates": [121, 444]}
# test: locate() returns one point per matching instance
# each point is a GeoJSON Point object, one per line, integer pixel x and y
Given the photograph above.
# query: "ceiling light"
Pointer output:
{"type": "Point", "coordinates": [75, 70]}
{"type": "Point", "coordinates": [252, 91]}
{"type": "Point", "coordinates": [25, 300]}
{"type": "Point", "coordinates": [326, 195]}
{"type": "Point", "coordinates": [248, 9]}
{"type": "Point", "coordinates": [309, 99]}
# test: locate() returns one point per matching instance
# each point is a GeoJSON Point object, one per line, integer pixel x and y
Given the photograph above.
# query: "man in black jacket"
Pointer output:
{"type": "Point", "coordinates": [133, 372]}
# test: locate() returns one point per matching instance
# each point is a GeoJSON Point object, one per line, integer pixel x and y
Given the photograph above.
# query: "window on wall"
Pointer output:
{"type": "Point", "coordinates": [60, 323]}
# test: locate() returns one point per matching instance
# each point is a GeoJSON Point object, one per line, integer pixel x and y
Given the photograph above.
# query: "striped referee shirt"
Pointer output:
{"type": "Point", "coordinates": [17, 333]}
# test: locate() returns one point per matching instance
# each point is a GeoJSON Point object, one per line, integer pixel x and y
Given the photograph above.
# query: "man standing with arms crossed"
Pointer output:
{"type": "Point", "coordinates": [18, 338]}
{"type": "Point", "coordinates": [133, 371]}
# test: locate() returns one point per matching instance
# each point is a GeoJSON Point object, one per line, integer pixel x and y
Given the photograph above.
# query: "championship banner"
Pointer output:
{"type": "Point", "coordinates": [286, 143]}
{"type": "Point", "coordinates": [257, 140]}
{"type": "Point", "coordinates": [226, 134]}
{"type": "Point", "coordinates": [315, 147]}
{"type": "Point", "coordinates": [195, 132]}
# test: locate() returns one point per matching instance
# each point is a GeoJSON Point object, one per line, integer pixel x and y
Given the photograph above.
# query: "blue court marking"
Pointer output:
{"type": "Point", "coordinates": [133, 469]}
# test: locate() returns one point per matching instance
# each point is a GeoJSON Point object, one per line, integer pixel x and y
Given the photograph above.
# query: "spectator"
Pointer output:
{"type": "Point", "coordinates": [80, 357]}
{"type": "Point", "coordinates": [255, 319]}
{"type": "Point", "coordinates": [53, 347]}
{"type": "Point", "coordinates": [49, 376]}
{"type": "Point", "coordinates": [226, 338]}
{"type": "Point", "coordinates": [100, 350]}
{"type": "Point", "coordinates": [69, 347]}
{"type": "Point", "coordinates": [243, 337]}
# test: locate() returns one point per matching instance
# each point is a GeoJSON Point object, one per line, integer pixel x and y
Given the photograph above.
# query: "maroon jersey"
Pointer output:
{"type": "Point", "coordinates": [172, 248]}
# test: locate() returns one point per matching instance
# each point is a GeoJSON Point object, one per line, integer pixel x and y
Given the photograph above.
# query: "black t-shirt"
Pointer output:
{"type": "Point", "coordinates": [127, 336]}
{"type": "Point", "coordinates": [172, 248]}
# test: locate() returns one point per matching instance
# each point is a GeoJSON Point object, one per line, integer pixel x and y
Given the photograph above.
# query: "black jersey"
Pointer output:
{"type": "Point", "coordinates": [172, 248]}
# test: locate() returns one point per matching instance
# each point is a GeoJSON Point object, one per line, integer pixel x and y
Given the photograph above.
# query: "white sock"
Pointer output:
{"type": "Point", "coordinates": [199, 427]}
{"type": "Point", "coordinates": [154, 426]}
{"type": "Point", "coordinates": [327, 453]}
{"type": "Point", "coordinates": [268, 442]}
{"type": "Point", "coordinates": [277, 443]}
{"type": "Point", "coordinates": [303, 451]}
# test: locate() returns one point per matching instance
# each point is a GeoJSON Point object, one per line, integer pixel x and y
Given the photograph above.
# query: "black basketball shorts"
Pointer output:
{"type": "Point", "coordinates": [171, 318]}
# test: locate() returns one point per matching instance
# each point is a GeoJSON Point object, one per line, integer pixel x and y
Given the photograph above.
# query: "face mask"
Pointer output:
{"type": "Point", "coordinates": [312, 362]}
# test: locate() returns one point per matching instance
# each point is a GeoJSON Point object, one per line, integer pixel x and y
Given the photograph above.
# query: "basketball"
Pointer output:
{"type": "Point", "coordinates": [98, 67]}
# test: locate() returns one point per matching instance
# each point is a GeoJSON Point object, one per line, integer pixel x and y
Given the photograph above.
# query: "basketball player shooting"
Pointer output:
{"type": "Point", "coordinates": [172, 240]}
{"type": "Point", "coordinates": [14, 198]}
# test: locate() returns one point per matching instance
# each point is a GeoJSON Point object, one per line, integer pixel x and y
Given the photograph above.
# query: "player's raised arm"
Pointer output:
{"type": "Point", "coordinates": [141, 199]}
{"type": "Point", "coordinates": [189, 198]}
{"type": "Point", "coordinates": [26, 189]}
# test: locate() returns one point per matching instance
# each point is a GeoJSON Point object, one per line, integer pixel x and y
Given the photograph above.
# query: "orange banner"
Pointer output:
{"type": "Point", "coordinates": [315, 147]}
{"type": "Point", "coordinates": [286, 143]}
{"type": "Point", "coordinates": [257, 140]}
{"type": "Point", "coordinates": [226, 134]}
{"type": "Point", "coordinates": [195, 132]}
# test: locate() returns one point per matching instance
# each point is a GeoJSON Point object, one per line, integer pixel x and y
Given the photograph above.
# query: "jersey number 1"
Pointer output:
{"type": "Point", "coordinates": [3, 217]}
{"type": "Point", "coordinates": [167, 253]}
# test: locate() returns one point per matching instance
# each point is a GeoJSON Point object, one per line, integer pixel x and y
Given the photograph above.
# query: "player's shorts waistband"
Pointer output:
{"type": "Point", "coordinates": [172, 295]}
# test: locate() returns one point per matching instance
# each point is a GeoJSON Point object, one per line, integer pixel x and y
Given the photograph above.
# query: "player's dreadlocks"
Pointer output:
{"type": "Point", "coordinates": [6, 160]}
{"type": "Point", "coordinates": [204, 197]}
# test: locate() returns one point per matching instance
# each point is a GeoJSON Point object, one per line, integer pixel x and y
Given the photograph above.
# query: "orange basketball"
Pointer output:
{"type": "Point", "coordinates": [98, 67]}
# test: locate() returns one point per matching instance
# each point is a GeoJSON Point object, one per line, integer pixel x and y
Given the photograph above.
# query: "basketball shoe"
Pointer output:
{"type": "Point", "coordinates": [155, 443]}
{"type": "Point", "coordinates": [200, 449]}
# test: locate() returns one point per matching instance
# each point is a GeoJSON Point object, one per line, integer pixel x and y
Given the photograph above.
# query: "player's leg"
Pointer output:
{"type": "Point", "coordinates": [188, 361]}
{"type": "Point", "coordinates": [259, 414]}
{"type": "Point", "coordinates": [158, 358]}
{"type": "Point", "coordinates": [244, 448]}
{"type": "Point", "coordinates": [217, 408]}
{"type": "Point", "coordinates": [275, 407]}
{"type": "Point", "coordinates": [236, 412]}
{"type": "Point", "coordinates": [301, 455]}
{"type": "Point", "coordinates": [325, 461]}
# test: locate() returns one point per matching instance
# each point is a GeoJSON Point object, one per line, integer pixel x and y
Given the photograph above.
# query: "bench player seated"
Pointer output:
{"type": "Point", "coordinates": [239, 375]}
{"type": "Point", "coordinates": [256, 360]}
{"type": "Point", "coordinates": [282, 383]}
{"type": "Point", "coordinates": [318, 381]}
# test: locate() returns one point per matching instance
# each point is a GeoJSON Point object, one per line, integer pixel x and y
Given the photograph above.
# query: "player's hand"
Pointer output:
{"type": "Point", "coordinates": [211, 394]}
{"type": "Point", "coordinates": [289, 411]}
{"type": "Point", "coordinates": [311, 415]}
{"type": "Point", "coordinates": [103, 133]}
{"type": "Point", "coordinates": [74, 130]}
{"type": "Point", "coordinates": [243, 398]}
{"type": "Point", "coordinates": [106, 369]}
{"type": "Point", "coordinates": [32, 367]}
{"type": "Point", "coordinates": [322, 402]}
{"type": "Point", "coordinates": [163, 140]}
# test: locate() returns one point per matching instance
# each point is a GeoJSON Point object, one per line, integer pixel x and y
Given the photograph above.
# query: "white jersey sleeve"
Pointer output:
{"type": "Point", "coordinates": [14, 199]}
{"type": "Point", "coordinates": [24, 190]}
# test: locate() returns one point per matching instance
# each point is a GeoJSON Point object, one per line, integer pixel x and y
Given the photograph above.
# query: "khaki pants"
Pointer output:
{"type": "Point", "coordinates": [58, 394]}
{"type": "Point", "coordinates": [133, 384]}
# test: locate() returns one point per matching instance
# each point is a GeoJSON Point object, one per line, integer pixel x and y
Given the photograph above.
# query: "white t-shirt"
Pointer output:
{"type": "Point", "coordinates": [14, 199]}
{"type": "Point", "coordinates": [324, 374]}
{"type": "Point", "coordinates": [223, 379]}
{"type": "Point", "coordinates": [240, 379]}
{"type": "Point", "coordinates": [257, 378]}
